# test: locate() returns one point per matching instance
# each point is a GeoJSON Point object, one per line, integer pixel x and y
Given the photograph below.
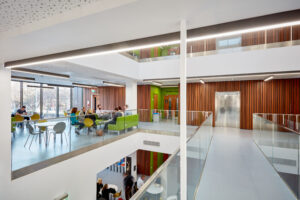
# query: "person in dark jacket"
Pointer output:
{"type": "Point", "coordinates": [113, 121]}
{"type": "Point", "coordinates": [106, 191]}
{"type": "Point", "coordinates": [128, 183]}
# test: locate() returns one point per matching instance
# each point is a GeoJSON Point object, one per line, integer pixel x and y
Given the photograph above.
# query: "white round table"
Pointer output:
{"type": "Point", "coordinates": [46, 124]}
{"type": "Point", "coordinates": [155, 190]}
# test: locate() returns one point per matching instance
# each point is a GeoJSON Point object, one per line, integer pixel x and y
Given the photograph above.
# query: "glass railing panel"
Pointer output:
{"type": "Point", "coordinates": [37, 140]}
{"type": "Point", "coordinates": [165, 182]}
{"type": "Point", "coordinates": [197, 149]}
{"type": "Point", "coordinates": [280, 145]}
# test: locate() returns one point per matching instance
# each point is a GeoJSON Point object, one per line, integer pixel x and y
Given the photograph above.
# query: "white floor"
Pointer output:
{"type": "Point", "coordinates": [236, 169]}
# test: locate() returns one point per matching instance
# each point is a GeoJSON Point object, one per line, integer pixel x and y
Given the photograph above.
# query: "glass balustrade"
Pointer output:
{"type": "Point", "coordinates": [277, 136]}
{"type": "Point", "coordinates": [35, 140]}
{"type": "Point", "coordinates": [165, 182]}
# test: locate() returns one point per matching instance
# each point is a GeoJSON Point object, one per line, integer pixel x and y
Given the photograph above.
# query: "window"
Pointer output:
{"type": "Point", "coordinates": [64, 100]}
{"type": "Point", "coordinates": [49, 102]}
{"type": "Point", "coordinates": [15, 96]}
{"type": "Point", "coordinates": [223, 43]}
{"type": "Point", "coordinates": [31, 97]}
{"type": "Point", "coordinates": [77, 97]}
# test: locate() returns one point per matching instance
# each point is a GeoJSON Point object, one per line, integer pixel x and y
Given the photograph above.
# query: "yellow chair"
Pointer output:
{"type": "Point", "coordinates": [19, 118]}
{"type": "Point", "coordinates": [65, 114]}
{"type": "Point", "coordinates": [35, 117]}
{"type": "Point", "coordinates": [43, 128]}
{"type": "Point", "coordinates": [88, 123]}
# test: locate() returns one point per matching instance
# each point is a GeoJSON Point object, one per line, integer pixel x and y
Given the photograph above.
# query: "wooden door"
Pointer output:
{"type": "Point", "coordinates": [155, 102]}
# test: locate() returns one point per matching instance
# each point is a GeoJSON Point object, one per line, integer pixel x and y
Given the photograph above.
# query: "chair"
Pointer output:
{"type": "Point", "coordinates": [20, 119]}
{"type": "Point", "coordinates": [65, 114]}
{"type": "Point", "coordinates": [59, 128]}
{"type": "Point", "coordinates": [88, 123]}
{"type": "Point", "coordinates": [117, 195]}
{"type": "Point", "coordinates": [35, 117]}
{"type": "Point", "coordinates": [32, 133]}
{"type": "Point", "coordinates": [77, 113]}
{"type": "Point", "coordinates": [13, 126]}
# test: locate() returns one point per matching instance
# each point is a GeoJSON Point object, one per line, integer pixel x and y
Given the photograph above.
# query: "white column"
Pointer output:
{"type": "Point", "coordinates": [131, 94]}
{"type": "Point", "coordinates": [183, 160]}
{"type": "Point", "coordinates": [5, 136]}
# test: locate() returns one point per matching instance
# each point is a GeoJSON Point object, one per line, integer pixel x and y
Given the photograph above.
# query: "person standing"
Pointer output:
{"type": "Point", "coordinates": [140, 181]}
{"type": "Point", "coordinates": [128, 183]}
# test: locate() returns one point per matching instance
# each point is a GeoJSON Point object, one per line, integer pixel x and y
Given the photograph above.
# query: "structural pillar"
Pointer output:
{"type": "Point", "coordinates": [183, 159]}
{"type": "Point", "coordinates": [131, 94]}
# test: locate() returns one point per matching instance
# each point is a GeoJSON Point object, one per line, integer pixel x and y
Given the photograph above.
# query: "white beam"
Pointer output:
{"type": "Point", "coordinates": [183, 160]}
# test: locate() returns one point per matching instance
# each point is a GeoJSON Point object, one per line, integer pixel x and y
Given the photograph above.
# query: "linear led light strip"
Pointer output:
{"type": "Point", "coordinates": [42, 73]}
{"type": "Point", "coordinates": [112, 84]}
{"type": "Point", "coordinates": [231, 33]}
{"type": "Point", "coordinates": [84, 85]}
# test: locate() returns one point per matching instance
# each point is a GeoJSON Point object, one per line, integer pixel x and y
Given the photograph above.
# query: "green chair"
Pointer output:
{"type": "Point", "coordinates": [119, 126]}
{"type": "Point", "coordinates": [13, 126]}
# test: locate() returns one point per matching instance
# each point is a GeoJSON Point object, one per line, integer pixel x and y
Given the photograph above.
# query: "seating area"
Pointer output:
{"type": "Point", "coordinates": [124, 123]}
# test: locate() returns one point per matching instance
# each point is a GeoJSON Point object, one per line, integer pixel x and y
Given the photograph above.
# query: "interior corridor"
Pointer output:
{"type": "Point", "coordinates": [237, 169]}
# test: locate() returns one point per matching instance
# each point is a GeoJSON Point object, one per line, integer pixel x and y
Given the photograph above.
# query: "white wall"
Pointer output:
{"type": "Point", "coordinates": [112, 63]}
{"type": "Point", "coordinates": [256, 61]}
{"type": "Point", "coordinates": [131, 94]}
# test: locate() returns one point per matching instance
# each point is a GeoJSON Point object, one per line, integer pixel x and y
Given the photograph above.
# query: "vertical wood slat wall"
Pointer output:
{"type": "Point", "coordinates": [108, 97]}
{"type": "Point", "coordinates": [144, 102]}
{"type": "Point", "coordinates": [275, 96]}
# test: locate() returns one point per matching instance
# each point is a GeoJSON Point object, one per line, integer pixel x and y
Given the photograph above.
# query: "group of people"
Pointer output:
{"type": "Point", "coordinates": [130, 187]}
{"type": "Point", "coordinates": [103, 191]}
{"type": "Point", "coordinates": [111, 119]}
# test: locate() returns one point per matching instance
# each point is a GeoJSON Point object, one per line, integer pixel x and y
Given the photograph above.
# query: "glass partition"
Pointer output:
{"type": "Point", "coordinates": [278, 138]}
{"type": "Point", "coordinates": [165, 182]}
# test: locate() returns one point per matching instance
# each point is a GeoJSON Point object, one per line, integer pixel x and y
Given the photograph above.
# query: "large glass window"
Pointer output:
{"type": "Point", "coordinates": [77, 97]}
{"type": "Point", "coordinates": [49, 102]}
{"type": "Point", "coordinates": [15, 96]}
{"type": "Point", "coordinates": [64, 100]}
{"type": "Point", "coordinates": [31, 97]}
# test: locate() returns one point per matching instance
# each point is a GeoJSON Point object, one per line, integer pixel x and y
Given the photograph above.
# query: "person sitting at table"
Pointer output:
{"type": "Point", "coordinates": [127, 112]}
{"type": "Point", "coordinates": [82, 114]}
{"type": "Point", "coordinates": [113, 121]}
{"type": "Point", "coordinates": [74, 120]}
{"type": "Point", "coordinates": [99, 110]}
{"type": "Point", "coordinates": [106, 191]}
{"type": "Point", "coordinates": [120, 110]}
{"type": "Point", "coordinates": [22, 111]}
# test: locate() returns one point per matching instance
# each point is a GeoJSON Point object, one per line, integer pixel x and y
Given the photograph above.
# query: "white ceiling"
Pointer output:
{"type": "Point", "coordinates": [77, 73]}
{"type": "Point", "coordinates": [121, 22]}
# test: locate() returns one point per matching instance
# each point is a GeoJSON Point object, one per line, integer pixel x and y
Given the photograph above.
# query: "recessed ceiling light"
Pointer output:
{"type": "Point", "coordinates": [201, 81]}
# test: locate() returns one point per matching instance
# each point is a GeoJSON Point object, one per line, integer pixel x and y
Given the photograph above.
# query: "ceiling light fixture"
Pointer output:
{"type": "Point", "coordinates": [269, 78]}
{"type": "Point", "coordinates": [55, 58]}
{"type": "Point", "coordinates": [84, 85]}
{"type": "Point", "coordinates": [201, 81]}
{"type": "Point", "coordinates": [169, 86]}
{"type": "Point", "coordinates": [43, 73]}
{"type": "Point", "coordinates": [156, 83]}
{"type": "Point", "coordinates": [57, 85]}
{"type": "Point", "coordinates": [112, 84]}
{"type": "Point", "coordinates": [44, 87]}
{"type": "Point", "coordinates": [21, 78]}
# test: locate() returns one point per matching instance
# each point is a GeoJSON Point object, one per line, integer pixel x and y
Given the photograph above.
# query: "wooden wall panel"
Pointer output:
{"type": "Point", "coordinates": [144, 102]}
{"type": "Point", "coordinates": [296, 32]}
{"type": "Point", "coordinates": [279, 35]}
{"type": "Point", "coordinates": [194, 47]}
{"type": "Point", "coordinates": [275, 96]}
{"type": "Point", "coordinates": [254, 38]}
{"type": "Point", "coordinates": [108, 97]}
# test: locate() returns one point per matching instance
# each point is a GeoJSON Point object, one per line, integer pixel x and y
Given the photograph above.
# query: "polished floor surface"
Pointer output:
{"type": "Point", "coordinates": [236, 169]}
